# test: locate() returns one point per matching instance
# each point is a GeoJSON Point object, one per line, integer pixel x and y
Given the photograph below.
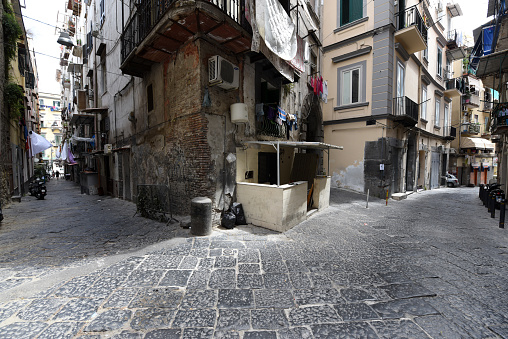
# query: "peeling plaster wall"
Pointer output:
{"type": "Point", "coordinates": [351, 177]}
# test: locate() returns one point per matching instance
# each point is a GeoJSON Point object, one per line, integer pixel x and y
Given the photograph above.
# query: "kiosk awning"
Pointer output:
{"type": "Point", "coordinates": [477, 143]}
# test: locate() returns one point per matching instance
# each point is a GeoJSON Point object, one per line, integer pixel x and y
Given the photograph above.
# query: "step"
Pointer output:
{"type": "Point", "coordinates": [16, 198]}
{"type": "Point", "coordinates": [399, 196]}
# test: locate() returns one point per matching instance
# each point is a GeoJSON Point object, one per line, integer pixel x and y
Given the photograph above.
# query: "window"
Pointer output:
{"type": "Point", "coordinates": [426, 54]}
{"type": "Point", "coordinates": [58, 139]}
{"type": "Point", "coordinates": [351, 86]}
{"type": "Point", "coordinates": [438, 113]}
{"type": "Point", "coordinates": [56, 103]}
{"type": "Point", "coordinates": [439, 61]}
{"type": "Point", "coordinates": [476, 118]}
{"type": "Point", "coordinates": [42, 123]}
{"type": "Point", "coordinates": [41, 102]}
{"type": "Point", "coordinates": [423, 106]}
{"type": "Point", "coordinates": [104, 82]}
{"type": "Point", "coordinates": [103, 11]}
{"type": "Point", "coordinates": [446, 116]}
{"type": "Point", "coordinates": [350, 10]}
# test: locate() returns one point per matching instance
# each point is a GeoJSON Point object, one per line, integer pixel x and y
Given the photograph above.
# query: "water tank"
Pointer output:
{"type": "Point", "coordinates": [239, 113]}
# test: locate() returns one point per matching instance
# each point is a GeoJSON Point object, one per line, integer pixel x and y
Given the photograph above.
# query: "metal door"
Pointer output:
{"type": "Point", "coordinates": [434, 170]}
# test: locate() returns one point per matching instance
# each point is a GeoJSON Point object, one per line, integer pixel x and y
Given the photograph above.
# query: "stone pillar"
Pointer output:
{"type": "Point", "coordinates": [201, 216]}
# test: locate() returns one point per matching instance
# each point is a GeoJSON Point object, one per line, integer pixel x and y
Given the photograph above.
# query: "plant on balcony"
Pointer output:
{"type": "Point", "coordinates": [12, 32]}
{"type": "Point", "coordinates": [13, 96]}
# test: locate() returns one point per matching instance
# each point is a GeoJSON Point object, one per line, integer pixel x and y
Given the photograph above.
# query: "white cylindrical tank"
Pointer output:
{"type": "Point", "coordinates": [239, 113]}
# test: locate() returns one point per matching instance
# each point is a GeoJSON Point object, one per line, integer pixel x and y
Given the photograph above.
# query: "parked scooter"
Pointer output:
{"type": "Point", "coordinates": [38, 189]}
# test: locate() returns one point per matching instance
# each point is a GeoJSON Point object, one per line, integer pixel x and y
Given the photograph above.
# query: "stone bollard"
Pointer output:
{"type": "Point", "coordinates": [201, 216]}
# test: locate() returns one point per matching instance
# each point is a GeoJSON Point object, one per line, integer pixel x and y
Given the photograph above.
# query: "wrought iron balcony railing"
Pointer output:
{"type": "Point", "coordinates": [472, 99]}
{"type": "Point", "coordinates": [499, 116]}
{"type": "Point", "coordinates": [149, 12]}
{"type": "Point", "coordinates": [449, 132]}
{"type": "Point", "coordinates": [268, 127]}
{"type": "Point", "coordinates": [405, 107]}
{"type": "Point", "coordinates": [411, 17]}
{"type": "Point", "coordinates": [455, 83]}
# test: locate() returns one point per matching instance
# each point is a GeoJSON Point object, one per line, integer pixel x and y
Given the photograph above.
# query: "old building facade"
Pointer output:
{"type": "Point", "coordinates": [386, 64]}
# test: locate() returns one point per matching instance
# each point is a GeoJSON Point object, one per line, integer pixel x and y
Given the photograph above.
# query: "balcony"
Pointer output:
{"type": "Point", "coordinates": [454, 46]}
{"type": "Point", "coordinates": [405, 111]}
{"type": "Point", "coordinates": [158, 29]}
{"type": "Point", "coordinates": [453, 88]}
{"type": "Point", "coordinates": [449, 132]}
{"type": "Point", "coordinates": [471, 100]}
{"type": "Point", "coordinates": [471, 128]}
{"type": "Point", "coordinates": [267, 127]}
{"type": "Point", "coordinates": [500, 119]}
{"type": "Point", "coordinates": [411, 31]}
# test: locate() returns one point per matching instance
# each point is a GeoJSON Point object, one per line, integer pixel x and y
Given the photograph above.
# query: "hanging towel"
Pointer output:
{"type": "Point", "coordinates": [259, 112]}
{"type": "Point", "coordinates": [282, 114]}
{"type": "Point", "coordinates": [271, 114]}
{"type": "Point", "coordinates": [325, 92]}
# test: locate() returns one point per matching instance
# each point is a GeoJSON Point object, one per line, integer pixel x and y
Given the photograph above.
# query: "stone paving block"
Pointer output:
{"type": "Point", "coordinates": [476, 310]}
{"type": "Point", "coordinates": [157, 297]}
{"type": "Point", "coordinates": [398, 329]}
{"type": "Point", "coordinates": [199, 252]}
{"type": "Point", "coordinates": [313, 315]}
{"type": "Point", "coordinates": [215, 252]}
{"type": "Point", "coordinates": [120, 298]}
{"type": "Point", "coordinates": [229, 251]}
{"type": "Point", "coordinates": [274, 267]}
{"type": "Point", "coordinates": [61, 330]}
{"type": "Point", "coordinates": [109, 320]}
{"type": "Point", "coordinates": [273, 299]}
{"type": "Point", "coordinates": [320, 280]}
{"type": "Point", "coordinates": [22, 329]}
{"type": "Point", "coordinates": [295, 332]}
{"type": "Point", "coordinates": [356, 294]}
{"type": "Point", "coordinates": [195, 318]}
{"type": "Point", "coordinates": [260, 335]}
{"type": "Point", "coordinates": [439, 286]}
{"type": "Point", "coordinates": [201, 243]}
{"type": "Point", "coordinates": [127, 335]}
{"type": "Point", "coordinates": [501, 330]}
{"type": "Point", "coordinates": [226, 244]}
{"type": "Point", "coordinates": [41, 309]}
{"type": "Point", "coordinates": [189, 263]}
{"type": "Point", "coordinates": [394, 277]}
{"type": "Point", "coordinates": [152, 318]}
{"type": "Point", "coordinates": [399, 308]}
{"type": "Point", "coordinates": [253, 281]}
{"type": "Point", "coordinates": [270, 255]}
{"type": "Point", "coordinates": [225, 262]}
{"type": "Point", "coordinates": [235, 299]}
{"type": "Point", "coordinates": [123, 268]}
{"type": "Point", "coordinates": [76, 286]}
{"type": "Point", "coordinates": [226, 335]}
{"type": "Point", "coordinates": [195, 299]}
{"type": "Point", "coordinates": [300, 280]}
{"type": "Point", "coordinates": [78, 310]}
{"type": "Point", "coordinates": [318, 266]}
{"type": "Point", "coordinates": [103, 287]}
{"type": "Point", "coordinates": [222, 278]}
{"type": "Point", "coordinates": [438, 326]}
{"type": "Point", "coordinates": [143, 278]}
{"type": "Point", "coordinates": [164, 334]}
{"type": "Point", "coordinates": [197, 333]}
{"type": "Point", "coordinates": [249, 268]}
{"type": "Point", "coordinates": [407, 290]}
{"type": "Point", "coordinates": [317, 296]}
{"type": "Point", "coordinates": [357, 311]}
{"type": "Point", "coordinates": [276, 280]}
{"type": "Point", "coordinates": [206, 263]}
{"type": "Point", "coordinates": [233, 319]}
{"type": "Point", "coordinates": [295, 265]}
{"type": "Point", "coordinates": [345, 330]}
{"type": "Point", "coordinates": [268, 319]}
{"type": "Point", "coordinates": [176, 278]}
{"type": "Point", "coordinates": [248, 256]}
{"type": "Point", "coordinates": [199, 279]}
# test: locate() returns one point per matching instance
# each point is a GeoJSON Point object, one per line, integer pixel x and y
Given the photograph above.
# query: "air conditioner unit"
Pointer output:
{"type": "Point", "coordinates": [108, 148]}
{"type": "Point", "coordinates": [223, 73]}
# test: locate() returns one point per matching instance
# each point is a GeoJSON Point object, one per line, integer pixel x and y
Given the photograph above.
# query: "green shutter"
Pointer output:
{"type": "Point", "coordinates": [355, 10]}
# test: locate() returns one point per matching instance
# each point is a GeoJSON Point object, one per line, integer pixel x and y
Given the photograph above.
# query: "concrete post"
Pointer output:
{"type": "Point", "coordinates": [201, 216]}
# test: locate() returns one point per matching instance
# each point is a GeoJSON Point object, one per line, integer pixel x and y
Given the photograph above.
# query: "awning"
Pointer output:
{"type": "Point", "coordinates": [79, 119]}
{"type": "Point", "coordinates": [95, 110]}
{"type": "Point", "coordinates": [477, 143]}
{"type": "Point", "coordinates": [491, 66]}
{"type": "Point", "coordinates": [296, 144]}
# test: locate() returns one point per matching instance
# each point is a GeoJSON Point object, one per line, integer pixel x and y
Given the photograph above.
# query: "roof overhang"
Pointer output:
{"type": "Point", "coordinates": [454, 9]}
{"type": "Point", "coordinates": [491, 67]}
{"type": "Point", "coordinates": [79, 119]}
{"type": "Point", "coordinates": [95, 110]}
{"type": "Point", "coordinates": [296, 144]}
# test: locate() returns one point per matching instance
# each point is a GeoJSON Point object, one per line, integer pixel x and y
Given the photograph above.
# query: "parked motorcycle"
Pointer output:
{"type": "Point", "coordinates": [38, 189]}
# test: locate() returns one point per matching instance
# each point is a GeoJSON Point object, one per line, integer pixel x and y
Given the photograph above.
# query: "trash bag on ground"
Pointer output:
{"type": "Point", "coordinates": [228, 220]}
{"type": "Point", "coordinates": [238, 211]}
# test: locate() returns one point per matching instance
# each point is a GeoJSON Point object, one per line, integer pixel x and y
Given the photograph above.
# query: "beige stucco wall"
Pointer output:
{"type": "Point", "coordinates": [247, 160]}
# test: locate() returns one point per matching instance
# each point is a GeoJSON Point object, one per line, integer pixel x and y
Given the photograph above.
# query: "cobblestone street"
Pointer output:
{"type": "Point", "coordinates": [434, 265]}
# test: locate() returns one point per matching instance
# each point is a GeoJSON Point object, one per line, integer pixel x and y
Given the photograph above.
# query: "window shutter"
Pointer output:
{"type": "Point", "coordinates": [355, 10]}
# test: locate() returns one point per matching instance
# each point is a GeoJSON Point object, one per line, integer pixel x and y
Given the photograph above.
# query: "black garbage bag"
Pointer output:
{"type": "Point", "coordinates": [228, 220]}
{"type": "Point", "coordinates": [238, 211]}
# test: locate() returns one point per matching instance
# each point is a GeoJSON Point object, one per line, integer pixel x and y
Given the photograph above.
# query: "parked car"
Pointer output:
{"type": "Point", "coordinates": [451, 180]}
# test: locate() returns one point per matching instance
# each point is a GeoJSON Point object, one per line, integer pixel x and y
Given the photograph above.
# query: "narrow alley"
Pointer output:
{"type": "Point", "coordinates": [84, 266]}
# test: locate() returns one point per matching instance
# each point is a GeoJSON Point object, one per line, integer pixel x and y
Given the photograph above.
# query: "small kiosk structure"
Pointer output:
{"type": "Point", "coordinates": [278, 183]}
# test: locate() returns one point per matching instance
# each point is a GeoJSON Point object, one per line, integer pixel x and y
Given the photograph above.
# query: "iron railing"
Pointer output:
{"type": "Point", "coordinates": [499, 116]}
{"type": "Point", "coordinates": [472, 99]}
{"type": "Point", "coordinates": [454, 84]}
{"type": "Point", "coordinates": [149, 12]}
{"type": "Point", "coordinates": [265, 126]}
{"type": "Point", "coordinates": [473, 128]}
{"type": "Point", "coordinates": [449, 132]}
{"type": "Point", "coordinates": [405, 107]}
{"type": "Point", "coordinates": [411, 17]}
